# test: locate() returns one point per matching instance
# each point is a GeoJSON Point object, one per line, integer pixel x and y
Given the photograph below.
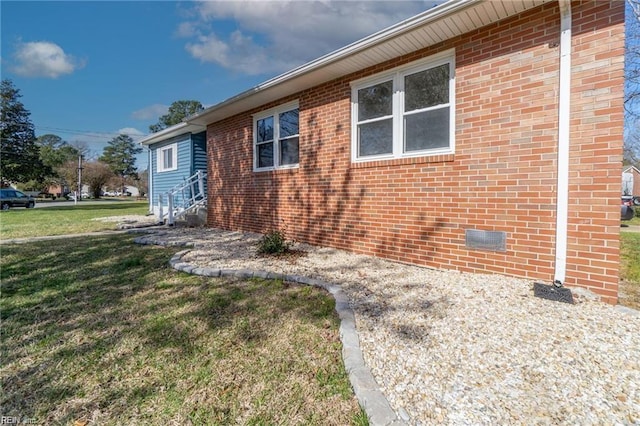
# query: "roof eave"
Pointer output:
{"type": "Point", "coordinates": [170, 132]}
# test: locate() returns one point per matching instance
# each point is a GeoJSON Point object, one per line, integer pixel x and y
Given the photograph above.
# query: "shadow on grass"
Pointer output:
{"type": "Point", "coordinates": [62, 302]}
{"type": "Point", "coordinates": [105, 326]}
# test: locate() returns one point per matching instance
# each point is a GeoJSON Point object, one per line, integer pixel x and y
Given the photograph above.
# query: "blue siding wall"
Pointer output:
{"type": "Point", "coordinates": [199, 151]}
{"type": "Point", "coordinates": [192, 156]}
{"type": "Point", "coordinates": [200, 154]}
{"type": "Point", "coordinates": [164, 181]}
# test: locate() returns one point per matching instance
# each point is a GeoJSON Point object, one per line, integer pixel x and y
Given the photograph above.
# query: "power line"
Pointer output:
{"type": "Point", "coordinates": [86, 133]}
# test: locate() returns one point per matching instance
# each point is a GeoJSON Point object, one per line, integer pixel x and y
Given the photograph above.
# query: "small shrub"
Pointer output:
{"type": "Point", "coordinates": [274, 242]}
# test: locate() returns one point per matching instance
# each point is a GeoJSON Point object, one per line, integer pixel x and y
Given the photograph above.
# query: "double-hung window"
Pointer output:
{"type": "Point", "coordinates": [167, 158]}
{"type": "Point", "coordinates": [276, 138]}
{"type": "Point", "coordinates": [406, 112]}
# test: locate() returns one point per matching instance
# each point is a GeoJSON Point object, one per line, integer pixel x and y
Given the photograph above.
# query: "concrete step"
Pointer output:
{"type": "Point", "coordinates": [194, 219]}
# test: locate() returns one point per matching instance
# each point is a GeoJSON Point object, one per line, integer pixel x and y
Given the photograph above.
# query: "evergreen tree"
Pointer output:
{"type": "Point", "coordinates": [54, 151]}
{"type": "Point", "coordinates": [19, 154]}
{"type": "Point", "coordinates": [120, 154]}
{"type": "Point", "coordinates": [178, 111]}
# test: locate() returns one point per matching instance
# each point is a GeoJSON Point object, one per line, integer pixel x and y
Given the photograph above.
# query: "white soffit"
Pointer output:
{"type": "Point", "coordinates": [450, 19]}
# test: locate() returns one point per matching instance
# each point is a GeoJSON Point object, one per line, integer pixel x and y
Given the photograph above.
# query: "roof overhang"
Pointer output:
{"type": "Point", "coordinates": [443, 22]}
{"type": "Point", "coordinates": [170, 132]}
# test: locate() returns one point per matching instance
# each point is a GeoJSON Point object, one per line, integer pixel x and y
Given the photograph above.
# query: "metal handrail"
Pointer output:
{"type": "Point", "coordinates": [189, 194]}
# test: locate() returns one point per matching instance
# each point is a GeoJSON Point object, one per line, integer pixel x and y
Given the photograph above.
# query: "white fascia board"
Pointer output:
{"type": "Point", "coordinates": [169, 132]}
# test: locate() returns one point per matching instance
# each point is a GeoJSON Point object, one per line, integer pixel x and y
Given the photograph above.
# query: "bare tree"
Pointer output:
{"type": "Point", "coordinates": [632, 83]}
{"type": "Point", "coordinates": [142, 183]}
{"type": "Point", "coordinates": [95, 174]}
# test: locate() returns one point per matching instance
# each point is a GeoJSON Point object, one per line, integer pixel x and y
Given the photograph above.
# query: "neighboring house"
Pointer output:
{"type": "Point", "coordinates": [132, 190]}
{"type": "Point", "coordinates": [451, 140]}
{"type": "Point", "coordinates": [631, 181]}
{"type": "Point", "coordinates": [175, 155]}
{"type": "Point", "coordinates": [58, 190]}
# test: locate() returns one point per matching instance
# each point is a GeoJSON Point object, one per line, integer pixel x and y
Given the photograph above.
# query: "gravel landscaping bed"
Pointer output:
{"type": "Point", "coordinates": [459, 348]}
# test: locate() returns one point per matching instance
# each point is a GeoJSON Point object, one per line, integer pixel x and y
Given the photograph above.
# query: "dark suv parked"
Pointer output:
{"type": "Point", "coordinates": [10, 197]}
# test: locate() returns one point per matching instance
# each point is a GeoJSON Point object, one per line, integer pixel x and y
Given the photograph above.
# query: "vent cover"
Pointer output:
{"type": "Point", "coordinates": [477, 239]}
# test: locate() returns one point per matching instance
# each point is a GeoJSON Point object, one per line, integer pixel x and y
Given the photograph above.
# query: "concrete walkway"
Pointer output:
{"type": "Point", "coordinates": [629, 228]}
{"type": "Point", "coordinates": [60, 237]}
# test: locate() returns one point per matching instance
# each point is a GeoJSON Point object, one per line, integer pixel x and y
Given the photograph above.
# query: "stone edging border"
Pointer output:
{"type": "Point", "coordinates": [369, 395]}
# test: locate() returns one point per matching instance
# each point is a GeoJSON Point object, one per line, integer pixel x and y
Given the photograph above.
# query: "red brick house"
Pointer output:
{"type": "Point", "coordinates": [631, 181]}
{"type": "Point", "coordinates": [455, 139]}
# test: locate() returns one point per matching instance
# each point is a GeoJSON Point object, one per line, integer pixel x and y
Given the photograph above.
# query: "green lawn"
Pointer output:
{"type": "Point", "coordinates": [63, 220]}
{"type": "Point", "coordinates": [99, 330]}
{"type": "Point", "coordinates": [630, 269]}
{"type": "Point", "coordinates": [635, 220]}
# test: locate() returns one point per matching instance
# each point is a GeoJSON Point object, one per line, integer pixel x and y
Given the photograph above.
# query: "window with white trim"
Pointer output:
{"type": "Point", "coordinates": [276, 138]}
{"type": "Point", "coordinates": [406, 112]}
{"type": "Point", "coordinates": [167, 157]}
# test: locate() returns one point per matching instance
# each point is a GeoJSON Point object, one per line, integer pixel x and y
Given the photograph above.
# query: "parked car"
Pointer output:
{"type": "Point", "coordinates": [72, 196]}
{"type": "Point", "coordinates": [626, 208]}
{"type": "Point", "coordinates": [10, 197]}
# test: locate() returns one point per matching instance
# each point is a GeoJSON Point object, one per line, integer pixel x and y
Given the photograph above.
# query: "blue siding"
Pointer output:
{"type": "Point", "coordinates": [164, 181]}
{"type": "Point", "coordinates": [199, 151]}
{"type": "Point", "coordinates": [200, 154]}
{"type": "Point", "coordinates": [192, 156]}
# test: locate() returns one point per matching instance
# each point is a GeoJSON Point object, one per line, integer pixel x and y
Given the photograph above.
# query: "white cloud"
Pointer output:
{"type": "Point", "coordinates": [187, 29]}
{"type": "Point", "coordinates": [131, 131]}
{"type": "Point", "coordinates": [238, 53]}
{"type": "Point", "coordinates": [275, 36]}
{"type": "Point", "coordinates": [150, 112]}
{"type": "Point", "coordinates": [44, 59]}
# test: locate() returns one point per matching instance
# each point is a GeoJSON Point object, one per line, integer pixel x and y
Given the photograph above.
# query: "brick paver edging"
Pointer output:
{"type": "Point", "coordinates": [371, 398]}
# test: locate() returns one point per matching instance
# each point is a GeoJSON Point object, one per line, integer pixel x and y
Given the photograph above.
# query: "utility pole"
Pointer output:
{"type": "Point", "coordinates": [79, 193]}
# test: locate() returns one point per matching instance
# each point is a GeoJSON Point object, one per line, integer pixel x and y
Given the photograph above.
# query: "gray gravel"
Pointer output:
{"type": "Point", "coordinates": [457, 348]}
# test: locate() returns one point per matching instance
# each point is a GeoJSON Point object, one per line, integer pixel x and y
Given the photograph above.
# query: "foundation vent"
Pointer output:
{"type": "Point", "coordinates": [477, 239]}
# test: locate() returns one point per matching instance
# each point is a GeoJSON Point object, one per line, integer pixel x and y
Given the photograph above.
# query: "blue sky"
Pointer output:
{"type": "Point", "coordinates": [90, 70]}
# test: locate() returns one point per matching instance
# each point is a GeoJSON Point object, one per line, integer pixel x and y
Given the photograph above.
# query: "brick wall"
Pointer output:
{"type": "Point", "coordinates": [501, 177]}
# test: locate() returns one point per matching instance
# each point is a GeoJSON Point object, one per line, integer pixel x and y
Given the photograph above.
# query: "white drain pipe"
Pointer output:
{"type": "Point", "coordinates": [564, 117]}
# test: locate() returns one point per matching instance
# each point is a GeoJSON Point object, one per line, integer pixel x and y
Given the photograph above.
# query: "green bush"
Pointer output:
{"type": "Point", "coordinates": [274, 242]}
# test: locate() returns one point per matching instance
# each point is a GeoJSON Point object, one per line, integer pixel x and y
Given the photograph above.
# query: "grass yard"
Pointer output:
{"type": "Point", "coordinates": [630, 269]}
{"type": "Point", "coordinates": [101, 331]}
{"type": "Point", "coordinates": [634, 221]}
{"type": "Point", "coordinates": [62, 220]}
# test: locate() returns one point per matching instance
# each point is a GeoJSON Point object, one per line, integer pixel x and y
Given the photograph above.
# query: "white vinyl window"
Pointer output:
{"type": "Point", "coordinates": [276, 138]}
{"type": "Point", "coordinates": [167, 158]}
{"type": "Point", "coordinates": [405, 112]}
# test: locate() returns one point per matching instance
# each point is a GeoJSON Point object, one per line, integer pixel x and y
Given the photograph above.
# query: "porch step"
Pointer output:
{"type": "Point", "coordinates": [194, 219]}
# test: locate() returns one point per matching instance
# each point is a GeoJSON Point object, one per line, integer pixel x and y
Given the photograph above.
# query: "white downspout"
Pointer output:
{"type": "Point", "coordinates": [564, 117]}
{"type": "Point", "coordinates": [150, 189]}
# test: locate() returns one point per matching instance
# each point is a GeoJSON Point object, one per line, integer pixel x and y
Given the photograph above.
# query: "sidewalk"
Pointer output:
{"type": "Point", "coordinates": [629, 228]}
{"type": "Point", "coordinates": [58, 237]}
